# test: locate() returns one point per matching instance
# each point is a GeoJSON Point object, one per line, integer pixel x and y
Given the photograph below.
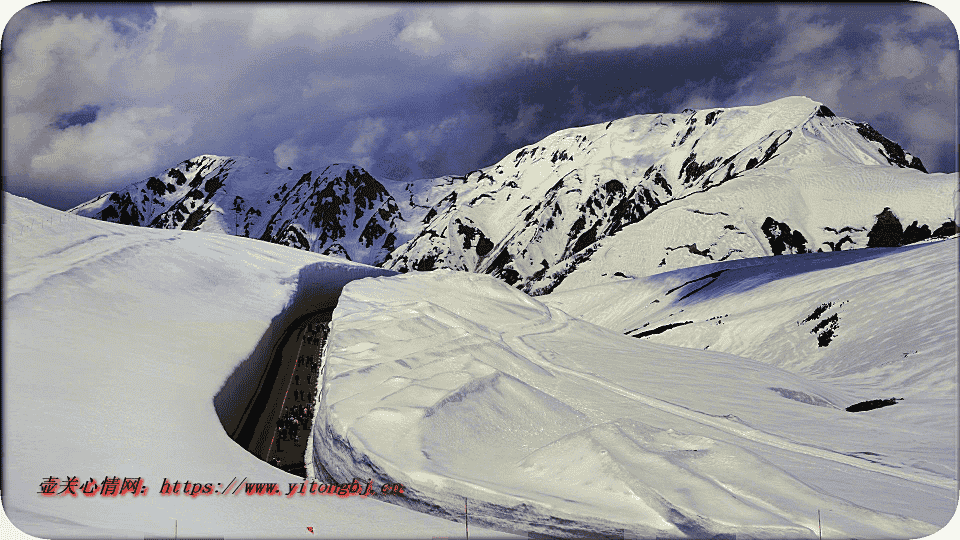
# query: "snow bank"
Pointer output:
{"type": "Point", "coordinates": [116, 340]}
{"type": "Point", "coordinates": [461, 387]}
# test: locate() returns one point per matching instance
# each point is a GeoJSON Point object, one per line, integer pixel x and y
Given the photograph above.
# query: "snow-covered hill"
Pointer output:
{"type": "Point", "coordinates": [116, 341]}
{"type": "Point", "coordinates": [461, 387]}
{"type": "Point", "coordinates": [338, 209]}
{"type": "Point", "coordinates": [777, 174]}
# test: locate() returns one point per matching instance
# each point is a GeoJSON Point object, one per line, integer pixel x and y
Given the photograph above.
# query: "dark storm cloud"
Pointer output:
{"type": "Point", "coordinates": [420, 91]}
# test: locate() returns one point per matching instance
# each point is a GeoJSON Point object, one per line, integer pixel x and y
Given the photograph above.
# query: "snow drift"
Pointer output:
{"type": "Point", "coordinates": [461, 387]}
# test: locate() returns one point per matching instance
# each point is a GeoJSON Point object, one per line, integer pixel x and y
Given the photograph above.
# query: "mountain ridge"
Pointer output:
{"type": "Point", "coordinates": [542, 210]}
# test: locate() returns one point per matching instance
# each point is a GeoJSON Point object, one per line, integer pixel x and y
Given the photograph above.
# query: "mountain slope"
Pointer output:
{"type": "Point", "coordinates": [538, 211]}
{"type": "Point", "coordinates": [338, 209]}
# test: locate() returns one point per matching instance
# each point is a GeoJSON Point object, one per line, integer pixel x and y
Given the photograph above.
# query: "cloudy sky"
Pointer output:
{"type": "Point", "coordinates": [96, 96]}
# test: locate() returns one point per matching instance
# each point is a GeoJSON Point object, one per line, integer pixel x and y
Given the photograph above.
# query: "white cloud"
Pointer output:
{"type": "Point", "coordinates": [264, 25]}
{"type": "Point", "coordinates": [927, 124]}
{"type": "Point", "coordinates": [285, 154]}
{"type": "Point", "coordinates": [899, 58]}
{"type": "Point", "coordinates": [320, 84]}
{"type": "Point", "coordinates": [420, 36]}
{"type": "Point", "coordinates": [674, 28]}
{"type": "Point", "coordinates": [947, 69]}
{"type": "Point", "coordinates": [527, 118]}
{"type": "Point", "coordinates": [370, 133]}
{"type": "Point", "coordinates": [806, 38]}
{"type": "Point", "coordinates": [122, 143]}
{"type": "Point", "coordinates": [75, 57]}
{"type": "Point", "coordinates": [424, 140]}
{"type": "Point", "coordinates": [923, 16]}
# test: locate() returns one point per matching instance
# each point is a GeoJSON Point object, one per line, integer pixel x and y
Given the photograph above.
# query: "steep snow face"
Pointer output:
{"type": "Point", "coordinates": [541, 209]}
{"type": "Point", "coordinates": [115, 341]}
{"type": "Point", "coordinates": [462, 387]}
{"type": "Point", "coordinates": [338, 209]}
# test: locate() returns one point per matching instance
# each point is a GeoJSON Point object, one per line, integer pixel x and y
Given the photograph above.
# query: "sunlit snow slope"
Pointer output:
{"type": "Point", "coordinates": [115, 341]}
{"type": "Point", "coordinates": [657, 192]}
{"type": "Point", "coordinates": [462, 387]}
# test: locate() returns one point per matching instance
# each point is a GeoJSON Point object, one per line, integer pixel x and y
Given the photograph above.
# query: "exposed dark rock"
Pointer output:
{"type": "Point", "coordinates": [949, 228]}
{"type": "Point", "coordinates": [122, 210]}
{"type": "Point", "coordinates": [212, 186]}
{"type": "Point", "coordinates": [560, 155]}
{"type": "Point", "coordinates": [781, 237]}
{"type": "Point", "coordinates": [177, 176]}
{"type": "Point", "coordinates": [195, 219]}
{"type": "Point", "coordinates": [510, 276]}
{"type": "Point", "coordinates": [659, 180]}
{"type": "Point", "coordinates": [586, 238]}
{"type": "Point", "coordinates": [424, 264]}
{"type": "Point", "coordinates": [293, 236]}
{"type": "Point", "coordinates": [389, 243]}
{"type": "Point", "coordinates": [915, 234]}
{"type": "Point", "coordinates": [818, 312]}
{"type": "Point", "coordinates": [693, 170]}
{"type": "Point", "coordinates": [484, 245]}
{"type": "Point", "coordinates": [371, 233]}
{"type": "Point", "coordinates": [659, 329]}
{"type": "Point", "coordinates": [891, 151]}
{"type": "Point", "coordinates": [336, 250]}
{"type": "Point", "coordinates": [156, 186]}
{"type": "Point", "coordinates": [825, 329]}
{"type": "Point", "coordinates": [839, 245]}
{"type": "Point", "coordinates": [872, 404]}
{"type": "Point", "coordinates": [886, 232]}
{"type": "Point", "coordinates": [824, 112]}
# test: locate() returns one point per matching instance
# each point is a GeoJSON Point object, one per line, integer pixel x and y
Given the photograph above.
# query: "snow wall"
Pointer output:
{"type": "Point", "coordinates": [318, 287]}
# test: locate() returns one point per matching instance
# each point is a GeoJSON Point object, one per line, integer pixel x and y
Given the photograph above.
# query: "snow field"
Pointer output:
{"type": "Point", "coordinates": [539, 417]}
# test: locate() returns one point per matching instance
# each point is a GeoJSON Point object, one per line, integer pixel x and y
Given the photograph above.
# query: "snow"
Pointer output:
{"type": "Point", "coordinates": [118, 345]}
{"type": "Point", "coordinates": [271, 200]}
{"type": "Point", "coordinates": [540, 207]}
{"type": "Point", "coordinates": [537, 417]}
{"type": "Point", "coordinates": [727, 220]}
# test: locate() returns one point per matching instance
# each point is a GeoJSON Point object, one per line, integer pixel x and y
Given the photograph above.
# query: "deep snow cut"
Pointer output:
{"type": "Point", "coordinates": [116, 341]}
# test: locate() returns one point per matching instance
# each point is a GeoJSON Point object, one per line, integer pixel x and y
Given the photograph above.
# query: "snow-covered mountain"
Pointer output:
{"type": "Point", "coordinates": [336, 210]}
{"type": "Point", "coordinates": [784, 177]}
{"type": "Point", "coordinates": [585, 205]}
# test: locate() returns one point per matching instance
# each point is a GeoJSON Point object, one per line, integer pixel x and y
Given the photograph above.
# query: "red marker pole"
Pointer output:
{"type": "Point", "coordinates": [466, 521]}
